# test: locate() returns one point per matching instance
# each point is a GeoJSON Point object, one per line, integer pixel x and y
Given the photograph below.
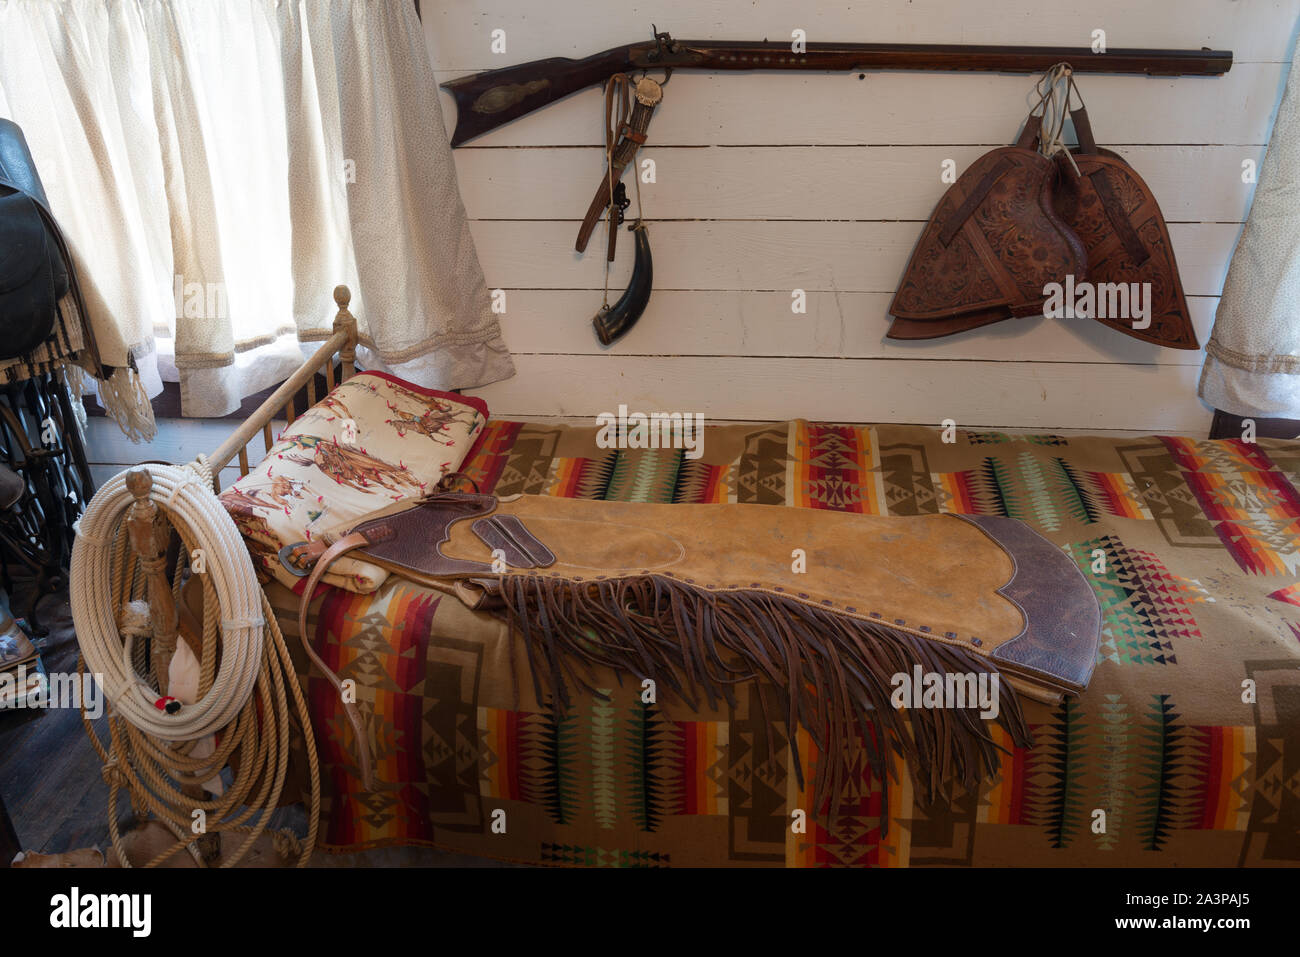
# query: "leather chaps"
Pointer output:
{"type": "Point", "coordinates": [700, 598]}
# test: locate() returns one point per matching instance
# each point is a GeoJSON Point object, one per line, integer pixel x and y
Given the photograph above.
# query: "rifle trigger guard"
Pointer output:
{"type": "Point", "coordinates": [668, 75]}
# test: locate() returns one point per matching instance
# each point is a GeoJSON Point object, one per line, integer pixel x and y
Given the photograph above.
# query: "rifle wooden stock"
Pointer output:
{"type": "Point", "coordinates": [490, 99]}
{"type": "Point", "coordinates": [486, 100]}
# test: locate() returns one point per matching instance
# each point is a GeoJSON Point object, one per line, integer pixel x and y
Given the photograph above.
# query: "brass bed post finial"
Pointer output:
{"type": "Point", "coordinates": [346, 322]}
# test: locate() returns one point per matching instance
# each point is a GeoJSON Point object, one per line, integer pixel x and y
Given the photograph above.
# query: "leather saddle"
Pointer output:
{"type": "Point", "coordinates": [35, 268]}
{"type": "Point", "coordinates": [1018, 221]}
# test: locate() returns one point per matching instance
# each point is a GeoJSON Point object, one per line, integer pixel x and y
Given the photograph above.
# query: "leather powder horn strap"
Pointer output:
{"type": "Point", "coordinates": [681, 595]}
{"type": "Point", "coordinates": [632, 135]}
{"type": "Point", "coordinates": [1117, 218]}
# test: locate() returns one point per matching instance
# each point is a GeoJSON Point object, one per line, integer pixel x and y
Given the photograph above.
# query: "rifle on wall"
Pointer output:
{"type": "Point", "coordinates": [492, 98]}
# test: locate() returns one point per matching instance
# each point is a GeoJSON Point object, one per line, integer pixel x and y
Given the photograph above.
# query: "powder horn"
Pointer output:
{"type": "Point", "coordinates": [613, 322]}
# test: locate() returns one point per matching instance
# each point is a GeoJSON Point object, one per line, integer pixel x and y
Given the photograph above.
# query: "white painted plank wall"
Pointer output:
{"type": "Point", "coordinates": [768, 182]}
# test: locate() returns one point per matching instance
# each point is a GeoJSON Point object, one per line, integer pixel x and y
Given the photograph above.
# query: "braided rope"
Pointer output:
{"type": "Point", "coordinates": [249, 695]}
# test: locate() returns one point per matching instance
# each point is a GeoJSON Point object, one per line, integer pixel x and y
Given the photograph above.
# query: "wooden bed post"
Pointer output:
{"type": "Point", "coordinates": [149, 533]}
{"type": "Point", "coordinates": [342, 343]}
{"type": "Point", "coordinates": [346, 323]}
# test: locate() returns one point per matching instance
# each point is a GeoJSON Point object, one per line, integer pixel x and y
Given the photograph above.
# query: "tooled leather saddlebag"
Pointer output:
{"type": "Point", "coordinates": [991, 245]}
{"type": "Point", "coordinates": [698, 598]}
{"type": "Point", "coordinates": [986, 244]}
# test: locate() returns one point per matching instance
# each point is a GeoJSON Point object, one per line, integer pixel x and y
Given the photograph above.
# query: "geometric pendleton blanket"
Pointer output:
{"type": "Point", "coordinates": [1183, 750]}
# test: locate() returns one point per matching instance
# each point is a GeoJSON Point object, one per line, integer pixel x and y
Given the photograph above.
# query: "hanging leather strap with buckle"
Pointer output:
{"type": "Point", "coordinates": [627, 118]}
{"type": "Point", "coordinates": [313, 560]}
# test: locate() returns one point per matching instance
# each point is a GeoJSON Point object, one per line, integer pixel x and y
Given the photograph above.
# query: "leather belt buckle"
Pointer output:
{"type": "Point", "coordinates": [286, 559]}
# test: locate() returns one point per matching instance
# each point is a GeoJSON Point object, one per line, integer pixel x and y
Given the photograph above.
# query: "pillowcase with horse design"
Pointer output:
{"type": "Point", "coordinates": [374, 440]}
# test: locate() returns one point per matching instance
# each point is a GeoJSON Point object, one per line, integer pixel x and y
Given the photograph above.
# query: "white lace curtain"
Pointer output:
{"type": "Point", "coordinates": [220, 166]}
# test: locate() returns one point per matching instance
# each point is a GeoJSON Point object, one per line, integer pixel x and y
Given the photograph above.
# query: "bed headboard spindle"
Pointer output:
{"type": "Point", "coordinates": [341, 343]}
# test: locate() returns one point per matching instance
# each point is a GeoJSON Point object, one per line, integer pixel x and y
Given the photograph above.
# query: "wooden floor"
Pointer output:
{"type": "Point", "coordinates": [49, 774]}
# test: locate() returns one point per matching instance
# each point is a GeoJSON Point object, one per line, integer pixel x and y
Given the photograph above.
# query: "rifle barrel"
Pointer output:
{"type": "Point", "coordinates": [729, 55]}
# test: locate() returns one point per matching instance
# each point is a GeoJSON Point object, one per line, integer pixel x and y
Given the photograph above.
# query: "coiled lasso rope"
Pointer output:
{"type": "Point", "coordinates": [247, 681]}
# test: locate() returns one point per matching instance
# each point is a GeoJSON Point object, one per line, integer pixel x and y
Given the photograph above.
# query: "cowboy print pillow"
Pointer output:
{"type": "Point", "coordinates": [372, 441]}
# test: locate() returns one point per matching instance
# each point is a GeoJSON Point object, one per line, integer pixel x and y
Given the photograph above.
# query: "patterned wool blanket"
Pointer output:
{"type": "Point", "coordinates": [1183, 750]}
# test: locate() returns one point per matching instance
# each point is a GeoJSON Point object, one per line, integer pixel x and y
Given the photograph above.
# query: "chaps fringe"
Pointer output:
{"type": "Point", "coordinates": [831, 673]}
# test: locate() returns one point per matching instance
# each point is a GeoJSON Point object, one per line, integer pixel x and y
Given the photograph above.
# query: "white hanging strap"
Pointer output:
{"type": "Point", "coordinates": [1054, 97]}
